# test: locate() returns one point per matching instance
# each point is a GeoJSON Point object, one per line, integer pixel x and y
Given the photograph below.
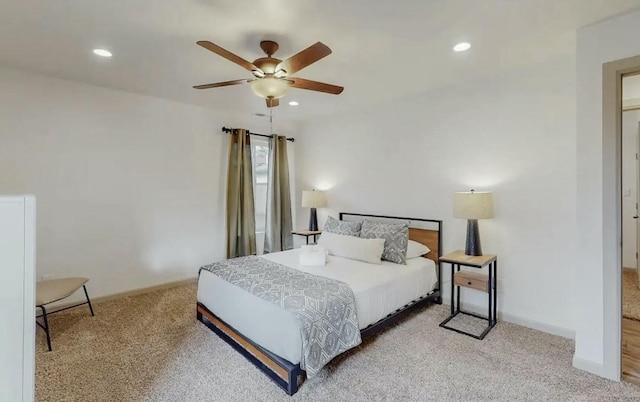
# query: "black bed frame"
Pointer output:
{"type": "Point", "coordinates": [287, 375]}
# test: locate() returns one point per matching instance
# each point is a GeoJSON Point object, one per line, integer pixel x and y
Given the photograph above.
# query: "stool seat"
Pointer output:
{"type": "Point", "coordinates": [57, 289]}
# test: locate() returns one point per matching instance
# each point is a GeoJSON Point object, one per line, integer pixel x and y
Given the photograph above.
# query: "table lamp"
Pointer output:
{"type": "Point", "coordinates": [313, 199]}
{"type": "Point", "coordinates": [473, 205]}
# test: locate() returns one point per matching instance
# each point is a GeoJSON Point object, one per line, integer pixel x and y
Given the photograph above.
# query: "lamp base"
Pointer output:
{"type": "Point", "coordinates": [313, 220]}
{"type": "Point", "coordinates": [473, 238]}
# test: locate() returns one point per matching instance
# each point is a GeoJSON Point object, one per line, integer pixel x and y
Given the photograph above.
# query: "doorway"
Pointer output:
{"type": "Point", "coordinates": [630, 170]}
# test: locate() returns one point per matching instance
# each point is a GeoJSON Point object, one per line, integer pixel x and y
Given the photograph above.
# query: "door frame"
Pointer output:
{"type": "Point", "coordinates": [612, 73]}
{"type": "Point", "coordinates": [637, 195]}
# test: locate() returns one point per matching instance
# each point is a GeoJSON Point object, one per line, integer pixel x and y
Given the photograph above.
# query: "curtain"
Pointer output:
{"type": "Point", "coordinates": [278, 235]}
{"type": "Point", "coordinates": [241, 224]}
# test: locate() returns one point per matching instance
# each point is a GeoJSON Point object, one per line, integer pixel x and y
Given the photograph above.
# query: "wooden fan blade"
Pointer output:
{"type": "Point", "coordinates": [304, 58]}
{"type": "Point", "coordinates": [272, 102]}
{"type": "Point", "coordinates": [220, 84]}
{"type": "Point", "coordinates": [227, 55]}
{"type": "Point", "coordinates": [301, 83]}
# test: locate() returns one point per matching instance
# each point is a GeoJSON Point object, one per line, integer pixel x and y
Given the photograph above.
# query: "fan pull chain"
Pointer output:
{"type": "Point", "coordinates": [271, 121]}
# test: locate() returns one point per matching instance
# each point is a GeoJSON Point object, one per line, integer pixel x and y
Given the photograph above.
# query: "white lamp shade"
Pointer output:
{"type": "Point", "coordinates": [314, 199]}
{"type": "Point", "coordinates": [473, 205]}
{"type": "Point", "coordinates": [269, 87]}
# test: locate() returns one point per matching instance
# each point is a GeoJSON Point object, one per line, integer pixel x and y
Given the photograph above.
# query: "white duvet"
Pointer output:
{"type": "Point", "coordinates": [378, 289]}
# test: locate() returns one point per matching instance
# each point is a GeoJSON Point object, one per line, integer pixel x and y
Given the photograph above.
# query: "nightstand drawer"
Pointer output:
{"type": "Point", "coordinates": [471, 280]}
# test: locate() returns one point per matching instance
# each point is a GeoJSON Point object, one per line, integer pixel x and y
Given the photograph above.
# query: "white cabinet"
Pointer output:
{"type": "Point", "coordinates": [17, 298]}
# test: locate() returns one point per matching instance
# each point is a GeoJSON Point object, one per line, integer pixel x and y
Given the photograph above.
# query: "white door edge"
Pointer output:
{"type": "Point", "coordinates": [637, 201]}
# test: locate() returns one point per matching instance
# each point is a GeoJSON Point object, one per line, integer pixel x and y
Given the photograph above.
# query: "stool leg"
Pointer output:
{"type": "Point", "coordinates": [46, 326]}
{"type": "Point", "coordinates": [88, 301]}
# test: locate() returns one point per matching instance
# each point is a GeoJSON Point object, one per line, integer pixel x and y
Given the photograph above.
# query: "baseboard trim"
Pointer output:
{"type": "Point", "coordinates": [525, 322]}
{"type": "Point", "coordinates": [128, 293]}
{"type": "Point", "coordinates": [540, 326]}
{"type": "Point", "coordinates": [589, 366]}
{"type": "Point", "coordinates": [141, 291]}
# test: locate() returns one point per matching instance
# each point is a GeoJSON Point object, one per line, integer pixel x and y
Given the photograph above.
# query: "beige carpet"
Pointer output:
{"type": "Point", "coordinates": [151, 348]}
{"type": "Point", "coordinates": [630, 294]}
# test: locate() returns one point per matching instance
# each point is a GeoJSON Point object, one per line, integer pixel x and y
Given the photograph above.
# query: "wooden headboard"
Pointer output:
{"type": "Point", "coordinates": [431, 238]}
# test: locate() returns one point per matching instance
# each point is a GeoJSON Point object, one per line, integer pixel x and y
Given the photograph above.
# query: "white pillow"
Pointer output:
{"type": "Point", "coordinates": [312, 256]}
{"type": "Point", "coordinates": [355, 248]}
{"type": "Point", "coordinates": [415, 249]}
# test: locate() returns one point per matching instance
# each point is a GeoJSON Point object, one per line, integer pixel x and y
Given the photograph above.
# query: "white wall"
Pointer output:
{"type": "Point", "coordinates": [630, 121]}
{"type": "Point", "coordinates": [513, 134]}
{"type": "Point", "coordinates": [130, 188]}
{"type": "Point", "coordinates": [597, 298]}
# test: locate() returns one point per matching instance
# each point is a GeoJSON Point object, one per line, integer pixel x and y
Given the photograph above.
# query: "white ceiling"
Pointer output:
{"type": "Point", "coordinates": [382, 49]}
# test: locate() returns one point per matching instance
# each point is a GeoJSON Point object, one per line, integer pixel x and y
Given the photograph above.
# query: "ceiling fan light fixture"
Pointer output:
{"type": "Point", "coordinates": [280, 73]}
{"type": "Point", "coordinates": [270, 87]}
{"type": "Point", "coordinates": [272, 75]}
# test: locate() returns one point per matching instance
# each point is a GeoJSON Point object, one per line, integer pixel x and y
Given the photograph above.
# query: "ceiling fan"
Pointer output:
{"type": "Point", "coordinates": [273, 76]}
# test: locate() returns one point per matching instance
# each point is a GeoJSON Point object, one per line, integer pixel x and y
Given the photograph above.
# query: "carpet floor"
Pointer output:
{"type": "Point", "coordinates": [151, 348]}
{"type": "Point", "coordinates": [630, 294]}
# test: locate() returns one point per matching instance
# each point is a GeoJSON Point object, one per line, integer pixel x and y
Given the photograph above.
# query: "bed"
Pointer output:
{"type": "Point", "coordinates": [269, 336]}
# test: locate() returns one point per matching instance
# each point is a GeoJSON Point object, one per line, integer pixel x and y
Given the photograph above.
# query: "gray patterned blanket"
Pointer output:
{"type": "Point", "coordinates": [324, 307]}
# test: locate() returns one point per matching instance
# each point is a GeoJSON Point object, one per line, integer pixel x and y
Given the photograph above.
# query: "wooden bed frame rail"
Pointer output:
{"type": "Point", "coordinates": [289, 376]}
{"type": "Point", "coordinates": [285, 374]}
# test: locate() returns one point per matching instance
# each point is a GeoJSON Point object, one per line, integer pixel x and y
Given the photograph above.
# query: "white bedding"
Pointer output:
{"type": "Point", "coordinates": [379, 290]}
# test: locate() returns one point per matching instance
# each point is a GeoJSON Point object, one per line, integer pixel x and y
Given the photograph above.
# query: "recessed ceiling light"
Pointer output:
{"type": "Point", "coordinates": [461, 47]}
{"type": "Point", "coordinates": [293, 103]}
{"type": "Point", "coordinates": [102, 52]}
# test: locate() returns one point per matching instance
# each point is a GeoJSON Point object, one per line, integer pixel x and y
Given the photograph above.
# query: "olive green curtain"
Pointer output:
{"type": "Point", "coordinates": [278, 235]}
{"type": "Point", "coordinates": [241, 224]}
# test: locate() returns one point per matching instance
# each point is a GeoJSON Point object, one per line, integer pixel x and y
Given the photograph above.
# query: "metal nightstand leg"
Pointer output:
{"type": "Point", "coordinates": [453, 311]}
{"type": "Point", "coordinates": [495, 292]}
{"type": "Point", "coordinates": [458, 290]}
{"type": "Point", "coordinates": [490, 285]}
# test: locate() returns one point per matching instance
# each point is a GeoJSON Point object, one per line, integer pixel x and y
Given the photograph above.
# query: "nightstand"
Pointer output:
{"type": "Point", "coordinates": [472, 280]}
{"type": "Point", "coordinates": [307, 233]}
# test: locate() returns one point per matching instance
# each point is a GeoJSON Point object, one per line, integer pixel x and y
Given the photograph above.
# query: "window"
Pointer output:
{"type": "Point", "coordinates": [260, 158]}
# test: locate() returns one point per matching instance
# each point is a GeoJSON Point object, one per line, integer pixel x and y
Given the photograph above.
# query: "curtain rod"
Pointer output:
{"type": "Point", "coordinates": [229, 130]}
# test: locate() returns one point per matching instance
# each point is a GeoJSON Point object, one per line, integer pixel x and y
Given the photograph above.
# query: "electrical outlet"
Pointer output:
{"type": "Point", "coordinates": [48, 277]}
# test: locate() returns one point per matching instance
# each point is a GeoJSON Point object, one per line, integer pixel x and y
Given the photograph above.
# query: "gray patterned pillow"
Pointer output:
{"type": "Point", "coordinates": [333, 225]}
{"type": "Point", "coordinates": [395, 235]}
